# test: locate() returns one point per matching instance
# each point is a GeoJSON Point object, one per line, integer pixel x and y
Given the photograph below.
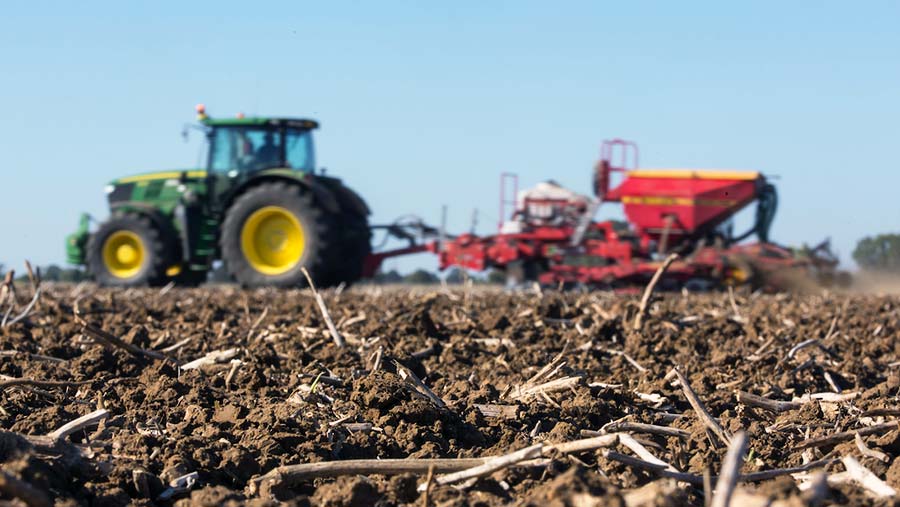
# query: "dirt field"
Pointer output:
{"type": "Point", "coordinates": [462, 375]}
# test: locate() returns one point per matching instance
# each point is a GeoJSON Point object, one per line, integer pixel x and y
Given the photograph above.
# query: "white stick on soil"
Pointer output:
{"type": "Point", "coordinates": [731, 471]}
{"type": "Point", "coordinates": [216, 356]}
{"type": "Point", "coordinates": [335, 335]}
{"type": "Point", "coordinates": [290, 475]}
{"type": "Point", "coordinates": [560, 384]}
{"type": "Point", "coordinates": [489, 466]}
{"type": "Point", "coordinates": [642, 452]}
{"type": "Point", "coordinates": [872, 453]}
{"type": "Point", "coordinates": [645, 299]}
{"type": "Point", "coordinates": [27, 310]}
{"type": "Point", "coordinates": [82, 422]}
{"type": "Point", "coordinates": [584, 444]}
{"type": "Point", "coordinates": [867, 479]}
{"type": "Point", "coordinates": [407, 375]}
{"type": "Point", "coordinates": [628, 358]}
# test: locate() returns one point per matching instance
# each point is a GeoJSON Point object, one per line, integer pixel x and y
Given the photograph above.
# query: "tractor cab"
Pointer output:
{"type": "Point", "coordinates": [245, 145]}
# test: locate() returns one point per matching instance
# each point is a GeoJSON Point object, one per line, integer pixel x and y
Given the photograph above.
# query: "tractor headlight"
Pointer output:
{"type": "Point", "coordinates": [109, 189]}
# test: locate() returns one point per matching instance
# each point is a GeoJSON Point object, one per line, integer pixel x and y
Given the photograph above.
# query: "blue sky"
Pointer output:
{"type": "Point", "coordinates": [425, 103]}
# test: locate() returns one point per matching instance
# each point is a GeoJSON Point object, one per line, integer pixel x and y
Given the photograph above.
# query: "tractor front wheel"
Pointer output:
{"type": "Point", "coordinates": [126, 251]}
{"type": "Point", "coordinates": [271, 232]}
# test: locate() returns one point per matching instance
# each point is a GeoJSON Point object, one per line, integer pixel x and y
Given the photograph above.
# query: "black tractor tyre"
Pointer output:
{"type": "Point", "coordinates": [352, 248]}
{"type": "Point", "coordinates": [154, 248]}
{"type": "Point", "coordinates": [189, 278]}
{"type": "Point", "coordinates": [317, 227]}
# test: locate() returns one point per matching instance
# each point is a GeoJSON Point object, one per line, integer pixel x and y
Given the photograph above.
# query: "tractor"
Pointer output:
{"type": "Point", "coordinates": [258, 206]}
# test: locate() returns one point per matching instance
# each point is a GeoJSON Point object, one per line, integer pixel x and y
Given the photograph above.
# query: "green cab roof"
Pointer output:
{"type": "Point", "coordinates": [261, 121]}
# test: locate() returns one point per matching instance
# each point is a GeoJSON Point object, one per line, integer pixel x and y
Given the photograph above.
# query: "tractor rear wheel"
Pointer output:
{"type": "Point", "coordinates": [355, 245]}
{"type": "Point", "coordinates": [271, 232]}
{"type": "Point", "coordinates": [127, 251]}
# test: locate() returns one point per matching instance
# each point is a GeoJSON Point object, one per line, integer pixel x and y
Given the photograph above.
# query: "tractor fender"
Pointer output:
{"type": "Point", "coordinates": [351, 200]}
{"type": "Point", "coordinates": [157, 217]}
{"type": "Point", "coordinates": [322, 194]}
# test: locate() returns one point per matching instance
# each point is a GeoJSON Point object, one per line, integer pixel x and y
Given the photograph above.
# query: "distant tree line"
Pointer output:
{"type": "Point", "coordinates": [878, 253]}
{"type": "Point", "coordinates": [49, 273]}
{"type": "Point", "coordinates": [54, 273]}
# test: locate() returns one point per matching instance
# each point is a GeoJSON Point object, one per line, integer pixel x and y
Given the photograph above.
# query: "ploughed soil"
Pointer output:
{"type": "Point", "coordinates": [281, 392]}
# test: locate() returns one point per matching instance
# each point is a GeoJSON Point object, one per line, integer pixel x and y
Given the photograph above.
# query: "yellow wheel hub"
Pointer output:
{"type": "Point", "coordinates": [272, 240]}
{"type": "Point", "coordinates": [739, 276]}
{"type": "Point", "coordinates": [123, 254]}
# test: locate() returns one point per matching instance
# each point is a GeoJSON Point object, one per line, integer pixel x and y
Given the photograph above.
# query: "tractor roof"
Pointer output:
{"type": "Point", "coordinates": [261, 121]}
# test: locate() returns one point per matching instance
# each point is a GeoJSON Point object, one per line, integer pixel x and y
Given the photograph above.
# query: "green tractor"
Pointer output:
{"type": "Point", "coordinates": [258, 206]}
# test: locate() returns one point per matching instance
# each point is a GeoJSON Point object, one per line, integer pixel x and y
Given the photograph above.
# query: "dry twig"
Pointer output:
{"type": "Point", "coordinates": [767, 404]}
{"type": "Point", "coordinates": [82, 422]}
{"type": "Point", "coordinates": [699, 408]}
{"type": "Point", "coordinates": [628, 358]}
{"type": "Point", "coordinates": [407, 375]}
{"type": "Point", "coordinates": [539, 384]}
{"type": "Point", "coordinates": [867, 479]}
{"type": "Point", "coordinates": [872, 453]}
{"type": "Point", "coordinates": [498, 411]}
{"type": "Point", "coordinates": [235, 366]}
{"type": "Point", "coordinates": [490, 466]}
{"type": "Point", "coordinates": [731, 471]}
{"type": "Point", "coordinates": [642, 452]}
{"type": "Point", "coordinates": [290, 475]}
{"type": "Point", "coordinates": [697, 480]}
{"type": "Point", "coordinates": [634, 427]}
{"type": "Point", "coordinates": [26, 311]}
{"type": "Point", "coordinates": [843, 436]}
{"type": "Point", "coordinates": [560, 384]}
{"type": "Point", "coordinates": [111, 341]}
{"type": "Point", "coordinates": [216, 356]}
{"type": "Point", "coordinates": [335, 335]}
{"type": "Point", "coordinates": [257, 322]}
{"type": "Point", "coordinates": [645, 299]}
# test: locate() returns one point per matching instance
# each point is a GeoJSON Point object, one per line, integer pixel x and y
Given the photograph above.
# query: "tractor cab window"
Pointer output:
{"type": "Point", "coordinates": [245, 149]}
{"type": "Point", "coordinates": [299, 150]}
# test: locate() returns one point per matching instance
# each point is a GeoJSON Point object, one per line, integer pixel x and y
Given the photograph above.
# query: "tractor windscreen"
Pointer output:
{"type": "Point", "coordinates": [298, 149]}
{"type": "Point", "coordinates": [255, 148]}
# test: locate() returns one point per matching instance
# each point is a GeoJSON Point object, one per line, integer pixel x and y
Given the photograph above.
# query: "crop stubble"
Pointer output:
{"type": "Point", "coordinates": [434, 381]}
